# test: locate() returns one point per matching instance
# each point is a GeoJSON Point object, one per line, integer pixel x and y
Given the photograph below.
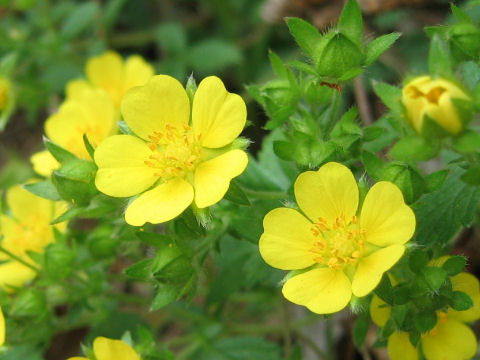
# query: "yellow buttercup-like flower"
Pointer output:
{"type": "Point", "coordinates": [181, 162]}
{"type": "Point", "coordinates": [342, 252]}
{"type": "Point", "coordinates": [110, 73]}
{"type": "Point", "coordinates": [91, 113]}
{"type": "Point", "coordinates": [2, 327]}
{"type": "Point", "coordinates": [27, 229]}
{"type": "Point", "coordinates": [450, 339]}
{"type": "Point", "coordinates": [433, 98]}
{"type": "Point", "coordinates": [108, 349]}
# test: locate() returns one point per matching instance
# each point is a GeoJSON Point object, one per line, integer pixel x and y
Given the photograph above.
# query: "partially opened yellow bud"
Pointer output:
{"type": "Point", "coordinates": [433, 97]}
{"type": "Point", "coordinates": [4, 92]}
{"type": "Point", "coordinates": [108, 349]}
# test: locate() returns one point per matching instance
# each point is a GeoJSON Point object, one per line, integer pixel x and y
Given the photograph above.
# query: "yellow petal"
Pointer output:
{"type": "Point", "coordinates": [217, 115]}
{"type": "Point", "coordinates": [212, 177]}
{"type": "Point", "coordinates": [137, 72]}
{"type": "Point", "coordinates": [108, 349]}
{"type": "Point", "coordinates": [385, 217]}
{"type": "Point", "coordinates": [15, 274]}
{"type": "Point", "coordinates": [26, 207]}
{"type": "Point", "coordinates": [76, 88]}
{"type": "Point", "coordinates": [164, 202]}
{"type": "Point", "coordinates": [286, 240]}
{"type": "Point", "coordinates": [2, 328]}
{"type": "Point", "coordinates": [150, 107]}
{"type": "Point", "coordinates": [450, 340]}
{"type": "Point", "coordinates": [106, 72]}
{"type": "Point", "coordinates": [379, 311]}
{"type": "Point", "coordinates": [400, 348]}
{"type": "Point", "coordinates": [327, 193]}
{"type": "Point", "coordinates": [44, 163]}
{"type": "Point", "coordinates": [321, 290]}
{"type": "Point", "coordinates": [468, 284]}
{"type": "Point", "coordinates": [445, 114]}
{"type": "Point", "coordinates": [121, 166]}
{"type": "Point", "coordinates": [371, 268]}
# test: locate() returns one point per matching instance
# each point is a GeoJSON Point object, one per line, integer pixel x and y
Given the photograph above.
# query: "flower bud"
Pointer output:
{"type": "Point", "coordinates": [4, 93]}
{"type": "Point", "coordinates": [424, 96]}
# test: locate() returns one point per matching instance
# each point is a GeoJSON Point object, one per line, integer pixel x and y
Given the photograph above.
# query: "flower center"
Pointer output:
{"type": "Point", "coordinates": [432, 96]}
{"type": "Point", "coordinates": [338, 244]}
{"type": "Point", "coordinates": [175, 151]}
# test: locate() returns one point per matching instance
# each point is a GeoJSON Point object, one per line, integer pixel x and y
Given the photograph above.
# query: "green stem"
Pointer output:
{"type": "Point", "coordinates": [16, 258]}
{"type": "Point", "coordinates": [266, 195]}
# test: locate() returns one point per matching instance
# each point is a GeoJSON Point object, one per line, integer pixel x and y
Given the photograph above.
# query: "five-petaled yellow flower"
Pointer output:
{"type": "Point", "coordinates": [108, 349]}
{"type": "Point", "coordinates": [173, 161]}
{"type": "Point", "coordinates": [91, 113]}
{"type": "Point", "coordinates": [450, 339]}
{"type": "Point", "coordinates": [342, 252]}
{"type": "Point", "coordinates": [27, 229]}
{"type": "Point", "coordinates": [110, 73]}
{"type": "Point", "coordinates": [424, 96]}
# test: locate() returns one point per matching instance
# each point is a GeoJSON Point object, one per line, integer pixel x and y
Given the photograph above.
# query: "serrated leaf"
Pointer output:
{"type": "Point", "coordinates": [434, 277]}
{"type": "Point", "coordinates": [81, 18]}
{"type": "Point", "coordinates": [389, 94]}
{"type": "Point", "coordinates": [360, 329]}
{"type": "Point", "coordinates": [472, 175]}
{"type": "Point", "coordinates": [461, 301]}
{"type": "Point", "coordinates": [459, 14]}
{"type": "Point", "coordinates": [141, 270]}
{"type": "Point", "coordinates": [301, 66]}
{"type": "Point", "coordinates": [350, 22]}
{"type": "Point", "coordinates": [153, 239]}
{"type": "Point", "coordinates": [44, 189]}
{"type": "Point", "coordinates": [439, 61]}
{"type": "Point", "coordinates": [305, 34]}
{"type": "Point", "coordinates": [435, 180]}
{"type": "Point", "coordinates": [373, 165]}
{"type": "Point", "coordinates": [425, 321]}
{"type": "Point", "coordinates": [454, 265]}
{"type": "Point", "coordinates": [414, 148]}
{"type": "Point", "coordinates": [467, 142]}
{"type": "Point", "coordinates": [417, 260]}
{"type": "Point", "coordinates": [378, 46]}
{"type": "Point", "coordinates": [441, 213]}
{"type": "Point", "coordinates": [240, 348]}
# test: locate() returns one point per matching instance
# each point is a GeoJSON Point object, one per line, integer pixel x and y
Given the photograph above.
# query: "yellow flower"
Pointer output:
{"type": "Point", "coordinates": [91, 113]}
{"type": "Point", "coordinates": [110, 73]}
{"type": "Point", "coordinates": [2, 327]}
{"type": "Point", "coordinates": [425, 96]}
{"type": "Point", "coordinates": [183, 162]}
{"type": "Point", "coordinates": [342, 252]}
{"type": "Point", "coordinates": [108, 349]}
{"type": "Point", "coordinates": [27, 229]}
{"type": "Point", "coordinates": [450, 339]}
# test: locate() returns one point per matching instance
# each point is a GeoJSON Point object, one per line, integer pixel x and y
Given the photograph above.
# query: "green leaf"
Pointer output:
{"type": "Point", "coordinates": [384, 290]}
{"type": "Point", "coordinates": [371, 133]}
{"type": "Point", "coordinates": [441, 213]}
{"type": "Point", "coordinates": [378, 46]}
{"type": "Point", "coordinates": [461, 301]}
{"type": "Point", "coordinates": [236, 195]}
{"type": "Point", "coordinates": [472, 175]}
{"type": "Point", "coordinates": [111, 12]}
{"type": "Point", "coordinates": [306, 35]}
{"type": "Point", "coordinates": [154, 239]}
{"type": "Point", "coordinates": [44, 189]}
{"type": "Point", "coordinates": [240, 348]}
{"type": "Point", "coordinates": [301, 66]}
{"type": "Point", "coordinates": [414, 148]}
{"type": "Point", "coordinates": [350, 22]}
{"type": "Point", "coordinates": [417, 260]}
{"type": "Point", "coordinates": [389, 94]}
{"type": "Point", "coordinates": [59, 153]}
{"type": "Point", "coordinates": [435, 277]}
{"type": "Point", "coordinates": [459, 14]}
{"type": "Point", "coordinates": [373, 165]}
{"type": "Point", "coordinates": [425, 321]}
{"type": "Point", "coordinates": [141, 270]}
{"type": "Point", "coordinates": [360, 329]}
{"type": "Point", "coordinates": [165, 294]}
{"type": "Point", "coordinates": [172, 38]}
{"type": "Point", "coordinates": [82, 17]}
{"type": "Point", "coordinates": [213, 55]}
{"type": "Point", "coordinates": [454, 265]}
{"type": "Point", "coordinates": [409, 180]}
{"type": "Point", "coordinates": [439, 62]}
{"type": "Point", "coordinates": [467, 142]}
{"type": "Point", "coordinates": [277, 65]}
{"type": "Point", "coordinates": [435, 180]}
{"type": "Point", "coordinates": [58, 261]}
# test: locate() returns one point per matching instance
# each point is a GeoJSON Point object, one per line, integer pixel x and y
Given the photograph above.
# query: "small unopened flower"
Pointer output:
{"type": "Point", "coordinates": [108, 349]}
{"type": "Point", "coordinates": [450, 339]}
{"type": "Point", "coordinates": [27, 229]}
{"type": "Point", "coordinates": [110, 73]}
{"type": "Point", "coordinates": [92, 113]}
{"type": "Point", "coordinates": [340, 251]}
{"type": "Point", "coordinates": [424, 96]}
{"type": "Point", "coordinates": [173, 162]}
